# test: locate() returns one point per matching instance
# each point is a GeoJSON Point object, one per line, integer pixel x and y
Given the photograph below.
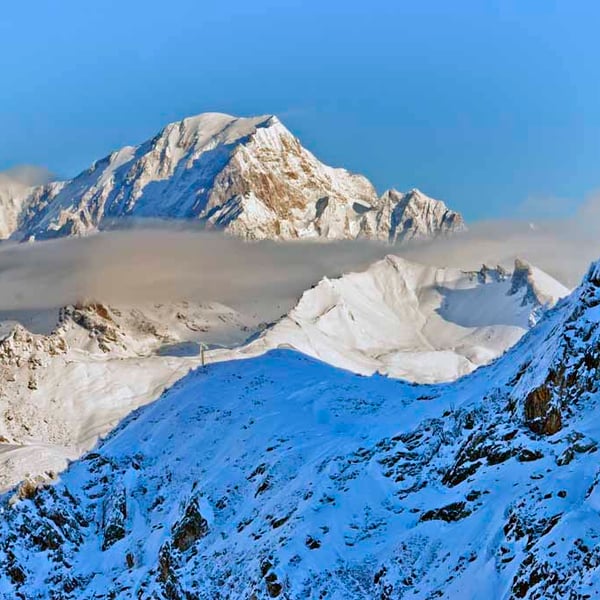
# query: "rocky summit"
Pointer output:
{"type": "Point", "coordinates": [247, 176]}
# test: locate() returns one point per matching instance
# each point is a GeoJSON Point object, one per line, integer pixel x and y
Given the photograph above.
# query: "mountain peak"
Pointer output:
{"type": "Point", "coordinates": [415, 216]}
{"type": "Point", "coordinates": [538, 288]}
{"type": "Point", "coordinates": [218, 119]}
{"type": "Point", "coordinates": [211, 129]}
{"type": "Point", "coordinates": [248, 176]}
{"type": "Point", "coordinates": [410, 320]}
{"type": "Point", "coordinates": [415, 192]}
{"type": "Point", "coordinates": [593, 274]}
{"type": "Point", "coordinates": [415, 195]}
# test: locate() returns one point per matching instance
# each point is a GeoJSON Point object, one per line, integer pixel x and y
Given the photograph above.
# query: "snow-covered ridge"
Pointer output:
{"type": "Point", "coordinates": [17, 187]}
{"type": "Point", "coordinates": [61, 390]}
{"type": "Point", "coordinates": [247, 176]}
{"type": "Point", "coordinates": [412, 321]}
{"type": "Point", "coordinates": [13, 196]}
{"type": "Point", "coordinates": [283, 477]}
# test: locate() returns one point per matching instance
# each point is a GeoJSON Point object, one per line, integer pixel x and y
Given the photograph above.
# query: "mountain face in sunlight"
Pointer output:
{"type": "Point", "coordinates": [420, 323]}
{"type": "Point", "coordinates": [247, 176]}
{"type": "Point", "coordinates": [87, 367]}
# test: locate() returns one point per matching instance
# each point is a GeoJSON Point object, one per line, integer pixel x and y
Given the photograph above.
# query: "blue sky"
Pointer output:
{"type": "Point", "coordinates": [492, 106]}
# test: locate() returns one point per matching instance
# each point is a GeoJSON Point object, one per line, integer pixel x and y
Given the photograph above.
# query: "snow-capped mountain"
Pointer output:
{"type": "Point", "coordinates": [248, 176]}
{"type": "Point", "coordinates": [60, 390]}
{"type": "Point", "coordinates": [400, 318]}
{"type": "Point", "coordinates": [284, 477]}
{"type": "Point", "coordinates": [414, 216]}
{"type": "Point", "coordinates": [415, 322]}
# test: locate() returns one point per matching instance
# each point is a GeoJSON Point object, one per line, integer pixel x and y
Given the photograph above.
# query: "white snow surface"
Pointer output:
{"type": "Point", "coordinates": [13, 195]}
{"type": "Point", "coordinates": [414, 322]}
{"type": "Point", "coordinates": [282, 476]}
{"type": "Point", "coordinates": [60, 391]}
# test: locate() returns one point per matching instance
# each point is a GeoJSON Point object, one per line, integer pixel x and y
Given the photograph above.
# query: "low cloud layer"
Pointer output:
{"type": "Point", "coordinates": [26, 175]}
{"type": "Point", "coordinates": [562, 254]}
{"type": "Point", "coordinates": [137, 266]}
{"type": "Point", "coordinates": [152, 265]}
{"type": "Point", "coordinates": [563, 247]}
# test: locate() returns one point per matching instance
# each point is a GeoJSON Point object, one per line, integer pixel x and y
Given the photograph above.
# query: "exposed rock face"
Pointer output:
{"type": "Point", "coordinates": [415, 216]}
{"type": "Point", "coordinates": [247, 176]}
{"type": "Point", "coordinates": [20, 347]}
{"type": "Point", "coordinates": [113, 517]}
{"type": "Point", "coordinates": [450, 513]}
{"type": "Point", "coordinates": [191, 528]}
{"type": "Point", "coordinates": [567, 371]}
{"type": "Point", "coordinates": [540, 415]}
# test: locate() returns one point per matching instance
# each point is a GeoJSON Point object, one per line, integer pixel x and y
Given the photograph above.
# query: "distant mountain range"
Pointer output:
{"type": "Point", "coordinates": [247, 176]}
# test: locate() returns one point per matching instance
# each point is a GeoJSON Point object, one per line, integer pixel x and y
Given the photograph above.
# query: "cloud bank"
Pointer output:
{"type": "Point", "coordinates": [162, 264]}
{"type": "Point", "coordinates": [153, 265]}
{"type": "Point", "coordinates": [25, 175]}
{"type": "Point", "coordinates": [563, 247]}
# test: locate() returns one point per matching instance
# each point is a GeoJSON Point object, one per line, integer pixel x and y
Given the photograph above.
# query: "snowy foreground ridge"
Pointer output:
{"type": "Point", "coordinates": [248, 176]}
{"type": "Point", "coordinates": [281, 476]}
{"type": "Point", "coordinates": [60, 391]}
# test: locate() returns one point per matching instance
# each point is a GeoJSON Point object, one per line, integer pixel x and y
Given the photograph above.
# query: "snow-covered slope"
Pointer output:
{"type": "Point", "coordinates": [60, 391]}
{"type": "Point", "coordinates": [283, 477]}
{"type": "Point", "coordinates": [420, 323]}
{"type": "Point", "coordinates": [12, 196]}
{"type": "Point", "coordinates": [248, 176]}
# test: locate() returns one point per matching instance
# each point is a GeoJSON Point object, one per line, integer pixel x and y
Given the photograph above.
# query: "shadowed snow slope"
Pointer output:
{"type": "Point", "coordinates": [281, 476]}
{"type": "Point", "coordinates": [420, 323]}
{"type": "Point", "coordinates": [60, 391]}
{"type": "Point", "coordinates": [248, 176]}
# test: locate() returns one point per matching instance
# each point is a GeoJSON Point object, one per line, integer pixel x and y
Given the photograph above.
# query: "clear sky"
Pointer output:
{"type": "Point", "coordinates": [493, 106]}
